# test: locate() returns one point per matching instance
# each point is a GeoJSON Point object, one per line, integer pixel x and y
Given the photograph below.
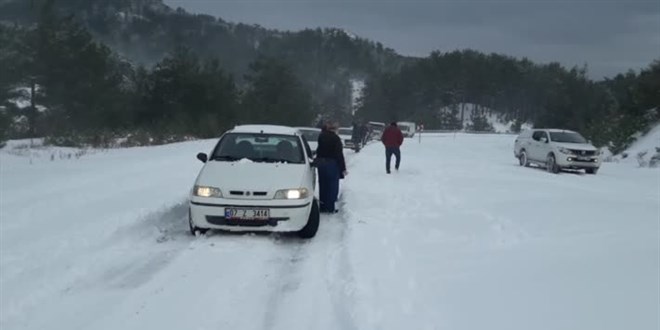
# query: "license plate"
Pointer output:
{"type": "Point", "coordinates": [247, 213]}
{"type": "Point", "coordinates": [583, 159]}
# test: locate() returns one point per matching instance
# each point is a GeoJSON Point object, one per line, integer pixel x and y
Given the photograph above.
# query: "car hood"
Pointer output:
{"type": "Point", "coordinates": [245, 175]}
{"type": "Point", "coordinates": [577, 146]}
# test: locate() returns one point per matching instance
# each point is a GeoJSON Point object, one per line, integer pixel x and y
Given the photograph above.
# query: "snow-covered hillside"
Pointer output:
{"type": "Point", "coordinates": [460, 238]}
{"type": "Point", "coordinates": [644, 148]}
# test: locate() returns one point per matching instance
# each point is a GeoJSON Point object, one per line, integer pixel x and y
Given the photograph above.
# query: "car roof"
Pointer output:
{"type": "Point", "coordinates": [554, 130]}
{"type": "Point", "coordinates": [269, 129]}
{"type": "Point", "coordinates": [309, 129]}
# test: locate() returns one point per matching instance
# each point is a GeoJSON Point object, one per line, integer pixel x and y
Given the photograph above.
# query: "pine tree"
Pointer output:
{"type": "Point", "coordinates": [275, 96]}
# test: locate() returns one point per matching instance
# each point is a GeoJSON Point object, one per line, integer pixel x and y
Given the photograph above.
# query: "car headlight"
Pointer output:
{"type": "Point", "coordinates": [565, 151]}
{"type": "Point", "coordinates": [292, 193]}
{"type": "Point", "coordinates": [204, 191]}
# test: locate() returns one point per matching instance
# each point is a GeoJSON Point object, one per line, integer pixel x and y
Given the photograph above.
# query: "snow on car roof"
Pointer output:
{"type": "Point", "coordinates": [309, 129]}
{"type": "Point", "coordinates": [555, 130]}
{"type": "Point", "coordinates": [270, 129]}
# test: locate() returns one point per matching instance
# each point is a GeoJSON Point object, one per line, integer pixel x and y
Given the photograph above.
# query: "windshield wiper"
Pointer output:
{"type": "Point", "coordinates": [268, 160]}
{"type": "Point", "coordinates": [226, 158]}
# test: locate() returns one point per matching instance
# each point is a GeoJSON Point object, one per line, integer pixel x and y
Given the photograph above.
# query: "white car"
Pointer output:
{"type": "Point", "coordinates": [311, 134]}
{"type": "Point", "coordinates": [377, 129]}
{"type": "Point", "coordinates": [407, 128]}
{"type": "Point", "coordinates": [556, 149]}
{"type": "Point", "coordinates": [346, 136]}
{"type": "Point", "coordinates": [257, 178]}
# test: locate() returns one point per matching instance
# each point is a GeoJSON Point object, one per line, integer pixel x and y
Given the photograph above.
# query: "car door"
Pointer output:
{"type": "Point", "coordinates": [523, 141]}
{"type": "Point", "coordinates": [543, 147]}
{"type": "Point", "coordinates": [310, 156]}
{"type": "Point", "coordinates": [534, 145]}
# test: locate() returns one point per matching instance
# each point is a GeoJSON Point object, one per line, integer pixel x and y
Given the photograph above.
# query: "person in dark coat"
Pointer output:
{"type": "Point", "coordinates": [392, 138]}
{"type": "Point", "coordinates": [331, 166]}
{"type": "Point", "coordinates": [356, 137]}
{"type": "Point", "coordinates": [364, 133]}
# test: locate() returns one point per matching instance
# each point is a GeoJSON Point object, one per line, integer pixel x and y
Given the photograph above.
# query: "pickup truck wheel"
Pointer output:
{"type": "Point", "coordinates": [551, 164]}
{"type": "Point", "coordinates": [523, 158]}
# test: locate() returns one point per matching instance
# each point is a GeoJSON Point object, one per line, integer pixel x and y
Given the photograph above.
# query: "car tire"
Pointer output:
{"type": "Point", "coordinates": [313, 220]}
{"type": "Point", "coordinates": [591, 170]}
{"type": "Point", "coordinates": [522, 158]}
{"type": "Point", "coordinates": [194, 229]}
{"type": "Point", "coordinates": [551, 164]}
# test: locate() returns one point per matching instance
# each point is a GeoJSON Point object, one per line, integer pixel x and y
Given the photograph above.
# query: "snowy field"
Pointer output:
{"type": "Point", "coordinates": [460, 238]}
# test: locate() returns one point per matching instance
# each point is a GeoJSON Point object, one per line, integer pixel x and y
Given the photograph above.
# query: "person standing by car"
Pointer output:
{"type": "Point", "coordinates": [355, 136]}
{"type": "Point", "coordinates": [392, 138]}
{"type": "Point", "coordinates": [364, 131]}
{"type": "Point", "coordinates": [331, 166]}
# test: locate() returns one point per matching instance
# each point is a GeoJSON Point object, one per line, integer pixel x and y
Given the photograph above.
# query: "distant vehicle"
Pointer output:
{"type": "Point", "coordinates": [346, 136]}
{"type": "Point", "coordinates": [556, 149]}
{"type": "Point", "coordinates": [311, 134]}
{"type": "Point", "coordinates": [377, 129]}
{"type": "Point", "coordinates": [407, 128]}
{"type": "Point", "coordinates": [257, 178]}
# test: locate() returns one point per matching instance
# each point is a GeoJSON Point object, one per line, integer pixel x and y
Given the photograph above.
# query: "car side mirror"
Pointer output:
{"type": "Point", "coordinates": [202, 157]}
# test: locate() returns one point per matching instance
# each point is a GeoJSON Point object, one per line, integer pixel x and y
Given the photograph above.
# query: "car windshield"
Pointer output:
{"type": "Point", "coordinates": [567, 137]}
{"type": "Point", "coordinates": [345, 131]}
{"type": "Point", "coordinates": [268, 148]}
{"type": "Point", "coordinates": [310, 135]}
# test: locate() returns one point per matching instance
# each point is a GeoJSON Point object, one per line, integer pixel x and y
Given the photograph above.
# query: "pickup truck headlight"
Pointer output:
{"type": "Point", "coordinates": [566, 151]}
{"type": "Point", "coordinates": [299, 193]}
{"type": "Point", "coordinates": [204, 191]}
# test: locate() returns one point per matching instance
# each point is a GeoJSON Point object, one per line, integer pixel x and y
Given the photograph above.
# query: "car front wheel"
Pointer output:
{"type": "Point", "coordinates": [551, 164]}
{"type": "Point", "coordinates": [591, 170]}
{"type": "Point", "coordinates": [523, 158]}
{"type": "Point", "coordinates": [313, 220]}
{"type": "Point", "coordinates": [191, 226]}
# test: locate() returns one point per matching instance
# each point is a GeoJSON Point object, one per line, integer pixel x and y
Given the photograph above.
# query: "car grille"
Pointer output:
{"type": "Point", "coordinates": [222, 221]}
{"type": "Point", "coordinates": [248, 193]}
{"type": "Point", "coordinates": [584, 152]}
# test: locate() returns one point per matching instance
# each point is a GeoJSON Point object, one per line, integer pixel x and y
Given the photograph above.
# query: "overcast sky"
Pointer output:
{"type": "Point", "coordinates": [610, 36]}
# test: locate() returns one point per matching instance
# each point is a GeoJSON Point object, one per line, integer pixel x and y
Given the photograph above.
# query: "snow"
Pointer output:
{"type": "Point", "coordinates": [271, 129]}
{"type": "Point", "coordinates": [648, 143]}
{"type": "Point", "coordinates": [22, 101]}
{"type": "Point", "coordinates": [349, 34]}
{"type": "Point", "coordinates": [460, 238]}
{"type": "Point", "coordinates": [357, 90]}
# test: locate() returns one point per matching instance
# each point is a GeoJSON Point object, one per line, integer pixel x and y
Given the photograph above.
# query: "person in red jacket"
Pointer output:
{"type": "Point", "coordinates": [392, 139]}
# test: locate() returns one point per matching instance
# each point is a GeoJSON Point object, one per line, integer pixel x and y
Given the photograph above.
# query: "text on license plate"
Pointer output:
{"type": "Point", "coordinates": [247, 213]}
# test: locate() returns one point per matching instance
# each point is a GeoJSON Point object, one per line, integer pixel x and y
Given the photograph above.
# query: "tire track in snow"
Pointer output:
{"type": "Point", "coordinates": [287, 279]}
{"type": "Point", "coordinates": [339, 278]}
{"type": "Point", "coordinates": [316, 273]}
{"type": "Point", "coordinates": [340, 281]}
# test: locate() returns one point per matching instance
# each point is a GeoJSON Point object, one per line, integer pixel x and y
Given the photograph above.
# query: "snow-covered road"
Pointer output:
{"type": "Point", "coordinates": [460, 238]}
